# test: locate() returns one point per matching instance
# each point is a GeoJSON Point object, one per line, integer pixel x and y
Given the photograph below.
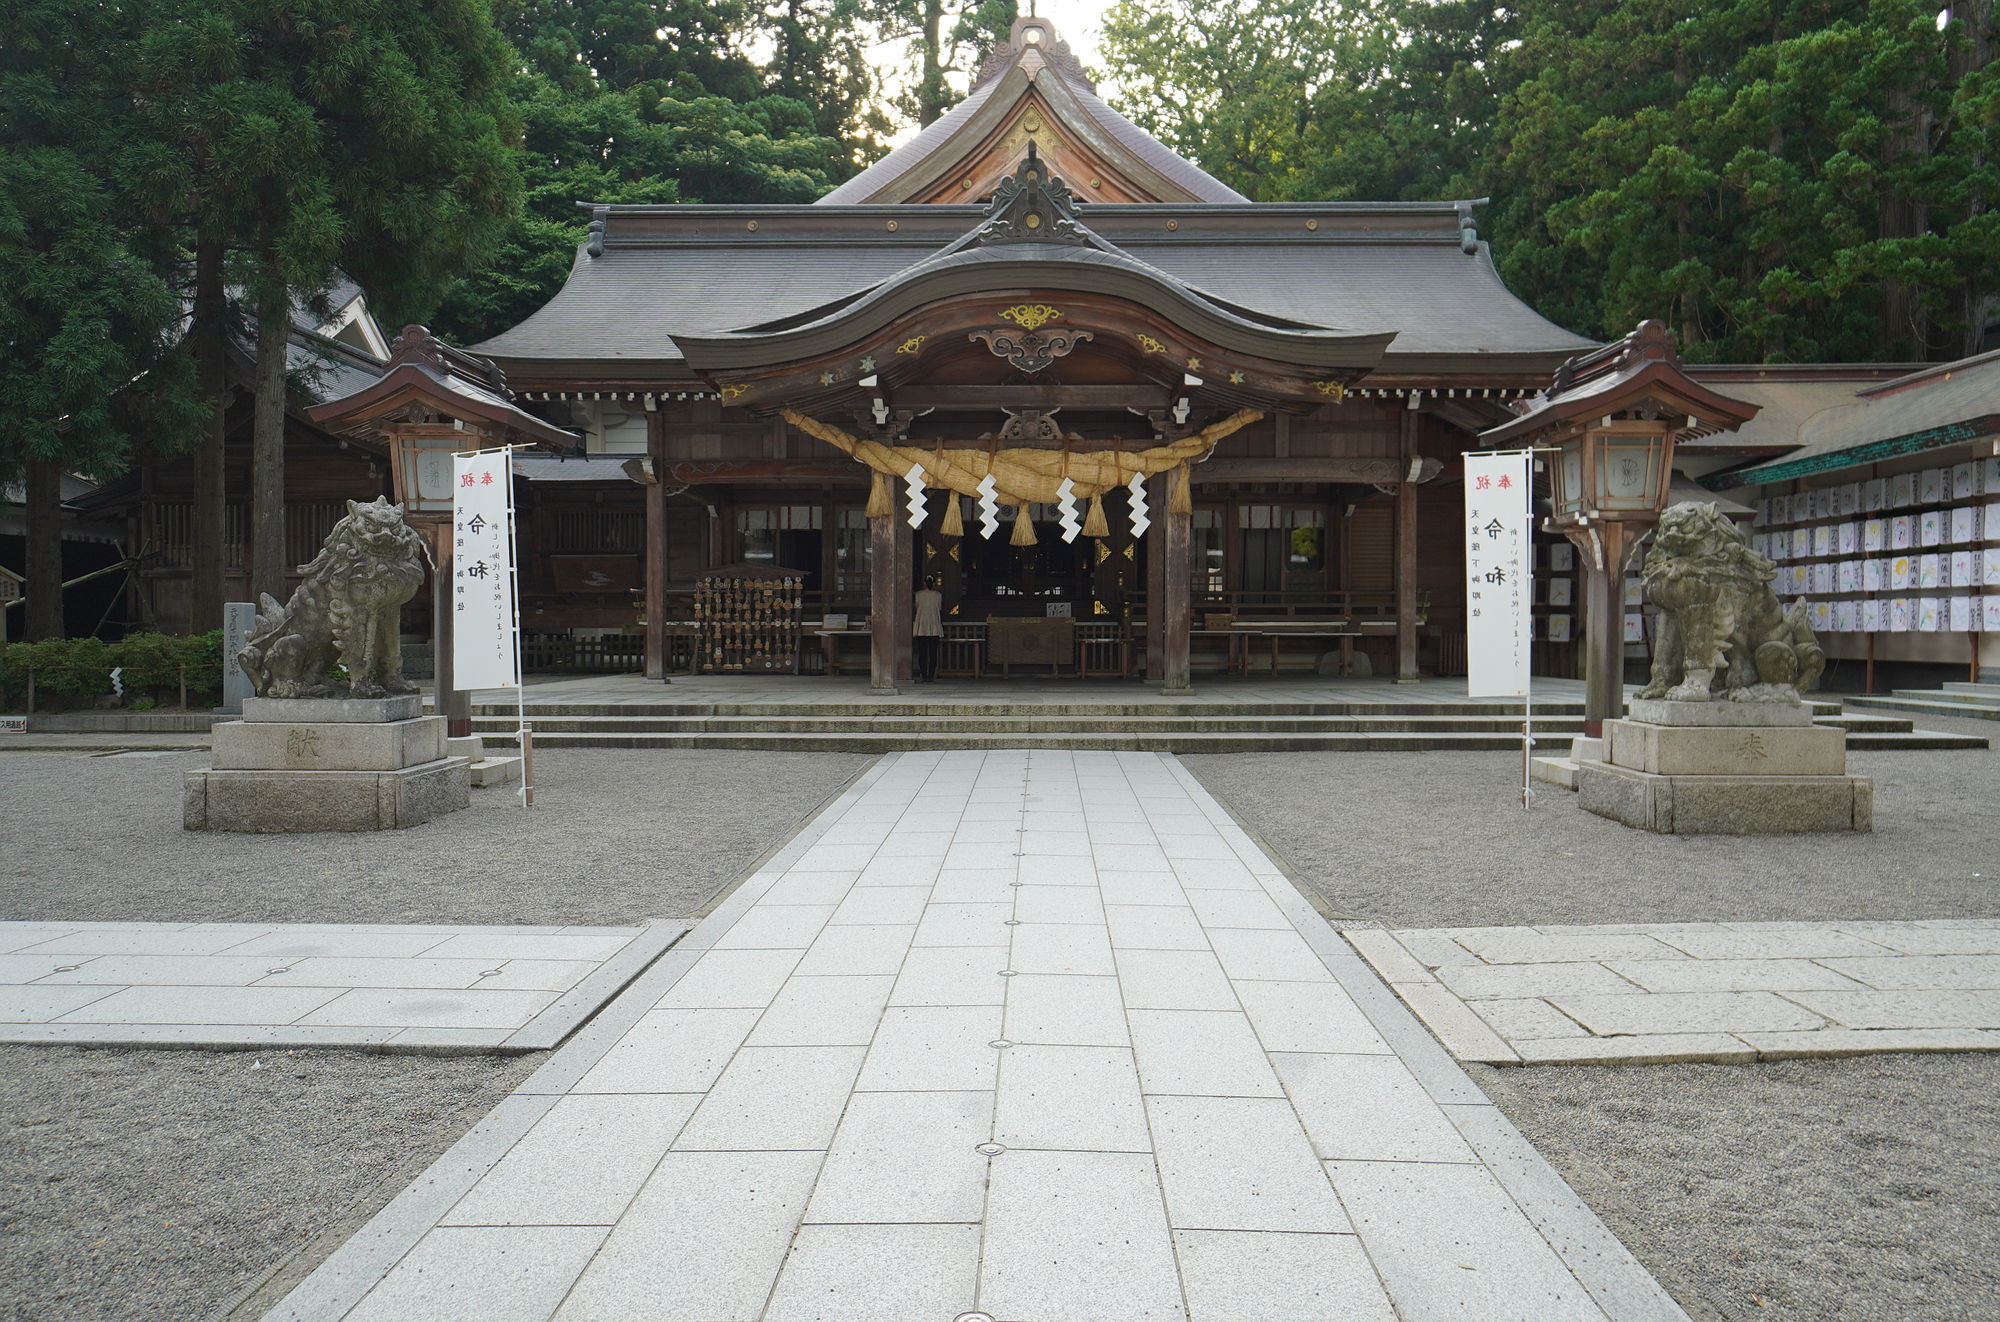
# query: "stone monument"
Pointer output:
{"type": "Point", "coordinates": [320, 751]}
{"type": "Point", "coordinates": [1719, 741]}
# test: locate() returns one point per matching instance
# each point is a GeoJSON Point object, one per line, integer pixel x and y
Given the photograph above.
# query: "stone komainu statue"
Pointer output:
{"type": "Point", "coordinates": [346, 611]}
{"type": "Point", "coordinates": [1723, 632]}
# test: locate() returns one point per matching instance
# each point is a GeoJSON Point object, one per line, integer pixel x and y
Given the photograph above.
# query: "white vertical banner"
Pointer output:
{"type": "Point", "coordinates": [483, 655]}
{"type": "Point", "coordinates": [1499, 573]}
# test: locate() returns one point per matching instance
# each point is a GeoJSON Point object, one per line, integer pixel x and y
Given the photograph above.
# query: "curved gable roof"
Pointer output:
{"type": "Point", "coordinates": [1033, 71]}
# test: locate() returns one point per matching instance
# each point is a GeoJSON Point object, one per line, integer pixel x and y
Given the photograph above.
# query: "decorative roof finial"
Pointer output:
{"type": "Point", "coordinates": [1032, 206]}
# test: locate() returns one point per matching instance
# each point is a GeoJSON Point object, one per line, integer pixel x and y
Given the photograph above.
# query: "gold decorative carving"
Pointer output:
{"type": "Point", "coordinates": [731, 392]}
{"type": "Point", "coordinates": [911, 345]}
{"type": "Point", "coordinates": [1194, 364]}
{"type": "Point", "coordinates": [1030, 316]}
{"type": "Point", "coordinates": [1151, 345]}
{"type": "Point", "coordinates": [1335, 390]}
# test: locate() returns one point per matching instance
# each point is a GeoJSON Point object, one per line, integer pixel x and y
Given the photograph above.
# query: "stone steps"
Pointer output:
{"type": "Point", "coordinates": [1930, 702]}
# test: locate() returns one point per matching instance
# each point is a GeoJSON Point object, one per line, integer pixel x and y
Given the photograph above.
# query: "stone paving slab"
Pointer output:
{"type": "Point", "coordinates": [970, 1079]}
{"type": "Point", "coordinates": [1652, 993]}
{"type": "Point", "coordinates": [378, 986]}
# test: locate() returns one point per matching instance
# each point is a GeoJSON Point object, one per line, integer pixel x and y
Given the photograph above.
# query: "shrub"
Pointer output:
{"type": "Point", "coordinates": [72, 672]}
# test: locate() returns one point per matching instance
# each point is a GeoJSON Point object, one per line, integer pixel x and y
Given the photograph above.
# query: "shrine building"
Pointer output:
{"type": "Point", "coordinates": [1187, 410]}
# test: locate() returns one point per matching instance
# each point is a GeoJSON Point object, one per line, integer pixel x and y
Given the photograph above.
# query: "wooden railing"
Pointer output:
{"type": "Point", "coordinates": [614, 654]}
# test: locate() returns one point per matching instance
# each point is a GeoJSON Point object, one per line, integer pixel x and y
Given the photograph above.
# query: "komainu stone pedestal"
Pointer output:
{"type": "Point", "coordinates": [326, 764]}
{"type": "Point", "coordinates": [1725, 768]}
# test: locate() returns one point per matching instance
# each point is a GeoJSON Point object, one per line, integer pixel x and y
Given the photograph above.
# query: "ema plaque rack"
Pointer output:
{"type": "Point", "coordinates": [748, 618]}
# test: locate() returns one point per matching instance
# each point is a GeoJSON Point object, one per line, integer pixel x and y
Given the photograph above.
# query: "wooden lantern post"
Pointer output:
{"type": "Point", "coordinates": [1611, 420]}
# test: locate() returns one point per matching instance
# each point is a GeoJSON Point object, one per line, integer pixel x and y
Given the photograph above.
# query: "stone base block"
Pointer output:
{"type": "Point", "coordinates": [282, 802]}
{"type": "Point", "coordinates": [319, 711]}
{"type": "Point", "coordinates": [1727, 805]}
{"type": "Point", "coordinates": [1721, 750]}
{"type": "Point", "coordinates": [1554, 771]}
{"type": "Point", "coordinates": [471, 747]}
{"type": "Point", "coordinates": [492, 771]}
{"type": "Point", "coordinates": [1660, 711]}
{"type": "Point", "coordinates": [339, 746]}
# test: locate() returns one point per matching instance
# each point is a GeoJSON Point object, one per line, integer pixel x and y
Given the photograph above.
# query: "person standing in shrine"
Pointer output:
{"type": "Point", "coordinates": [927, 631]}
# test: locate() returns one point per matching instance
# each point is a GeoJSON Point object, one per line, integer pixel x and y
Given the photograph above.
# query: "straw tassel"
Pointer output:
{"type": "Point", "coordinates": [880, 503]}
{"type": "Point", "coordinates": [954, 522]}
{"type": "Point", "coordinates": [1180, 500]}
{"type": "Point", "coordinates": [1093, 522]}
{"type": "Point", "coordinates": [1024, 527]}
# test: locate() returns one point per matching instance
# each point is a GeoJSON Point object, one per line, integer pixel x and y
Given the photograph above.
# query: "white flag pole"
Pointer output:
{"type": "Point", "coordinates": [1501, 566]}
{"type": "Point", "coordinates": [524, 733]}
{"type": "Point", "coordinates": [505, 456]}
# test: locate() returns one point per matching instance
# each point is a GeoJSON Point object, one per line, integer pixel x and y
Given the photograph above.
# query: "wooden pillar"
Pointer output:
{"type": "Point", "coordinates": [882, 592]}
{"type": "Point", "coordinates": [1157, 488]}
{"type": "Point", "coordinates": [43, 588]}
{"type": "Point", "coordinates": [1406, 556]}
{"type": "Point", "coordinates": [453, 703]}
{"type": "Point", "coordinates": [656, 553]}
{"type": "Point", "coordinates": [905, 605]}
{"type": "Point", "coordinates": [1604, 619]}
{"type": "Point", "coordinates": [1176, 547]}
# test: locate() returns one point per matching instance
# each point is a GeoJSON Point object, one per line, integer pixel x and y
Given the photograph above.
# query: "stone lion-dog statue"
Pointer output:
{"type": "Point", "coordinates": [347, 610]}
{"type": "Point", "coordinates": [1723, 633]}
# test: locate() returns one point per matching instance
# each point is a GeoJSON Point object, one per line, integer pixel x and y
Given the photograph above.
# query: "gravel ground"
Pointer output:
{"type": "Point", "coordinates": [161, 1184]}
{"type": "Point", "coordinates": [615, 836]}
{"type": "Point", "coordinates": [1858, 1190]}
{"type": "Point", "coordinates": [143, 1184]}
{"type": "Point", "coordinates": [1440, 840]}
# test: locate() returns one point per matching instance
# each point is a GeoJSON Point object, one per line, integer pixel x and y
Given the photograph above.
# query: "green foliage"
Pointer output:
{"type": "Point", "coordinates": [77, 671]}
{"type": "Point", "coordinates": [607, 117]}
{"type": "Point", "coordinates": [1799, 180]}
{"type": "Point", "coordinates": [86, 306]}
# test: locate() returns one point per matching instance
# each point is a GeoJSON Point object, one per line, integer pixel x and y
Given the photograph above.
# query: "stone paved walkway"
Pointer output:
{"type": "Point", "coordinates": [380, 986]}
{"type": "Point", "coordinates": [1026, 1036]}
{"type": "Point", "coordinates": [1726, 992]}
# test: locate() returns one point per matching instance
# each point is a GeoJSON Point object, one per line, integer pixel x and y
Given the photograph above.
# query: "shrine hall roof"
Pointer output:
{"type": "Point", "coordinates": [1034, 58]}
{"type": "Point", "coordinates": [1407, 269]}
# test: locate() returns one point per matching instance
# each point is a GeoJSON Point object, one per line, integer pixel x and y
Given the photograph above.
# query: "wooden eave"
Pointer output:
{"type": "Point", "coordinates": [1653, 383]}
{"type": "Point", "coordinates": [875, 357]}
{"type": "Point", "coordinates": [405, 384]}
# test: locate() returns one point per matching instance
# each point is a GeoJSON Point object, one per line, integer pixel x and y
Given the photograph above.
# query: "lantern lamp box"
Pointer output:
{"type": "Point", "coordinates": [1850, 538]}
{"type": "Point", "coordinates": [1635, 628]}
{"type": "Point", "coordinates": [1993, 522]}
{"type": "Point", "coordinates": [1822, 540]}
{"type": "Point", "coordinates": [1871, 616]}
{"type": "Point", "coordinates": [1873, 492]}
{"type": "Point", "coordinates": [1963, 574]}
{"type": "Point", "coordinates": [1873, 534]}
{"type": "Point", "coordinates": [1964, 481]}
{"type": "Point", "coordinates": [1801, 543]}
{"type": "Point", "coordinates": [1930, 528]}
{"type": "Point", "coordinates": [1559, 627]}
{"type": "Point", "coordinates": [1991, 557]}
{"type": "Point", "coordinates": [1965, 524]}
{"type": "Point", "coordinates": [1961, 614]}
{"type": "Point", "coordinates": [1902, 532]}
{"type": "Point", "coordinates": [1989, 608]}
{"type": "Point", "coordinates": [1903, 490]}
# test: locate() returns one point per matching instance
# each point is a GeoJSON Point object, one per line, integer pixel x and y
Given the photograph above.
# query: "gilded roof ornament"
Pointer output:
{"type": "Point", "coordinates": [1032, 206]}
